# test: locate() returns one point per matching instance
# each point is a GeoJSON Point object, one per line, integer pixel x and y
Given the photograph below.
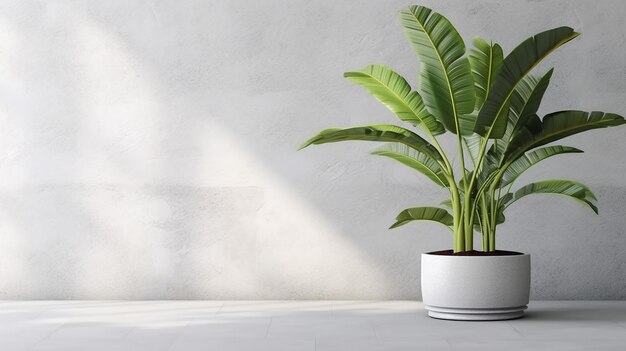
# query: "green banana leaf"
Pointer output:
{"type": "Point", "coordinates": [522, 113]}
{"type": "Point", "coordinates": [485, 61]}
{"type": "Point", "coordinates": [519, 98]}
{"type": "Point", "coordinates": [380, 132]}
{"type": "Point", "coordinates": [446, 78]}
{"type": "Point", "coordinates": [393, 91]}
{"type": "Point", "coordinates": [434, 214]}
{"type": "Point", "coordinates": [556, 126]}
{"type": "Point", "coordinates": [416, 160]}
{"type": "Point", "coordinates": [570, 188]}
{"type": "Point", "coordinates": [531, 105]}
{"type": "Point", "coordinates": [531, 158]}
{"type": "Point", "coordinates": [491, 121]}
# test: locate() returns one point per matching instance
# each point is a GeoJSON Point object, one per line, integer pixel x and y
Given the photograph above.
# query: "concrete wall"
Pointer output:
{"type": "Point", "coordinates": [147, 151]}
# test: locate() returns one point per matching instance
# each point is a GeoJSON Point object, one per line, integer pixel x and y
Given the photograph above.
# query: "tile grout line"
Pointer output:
{"type": "Point", "coordinates": [47, 335]}
{"type": "Point", "coordinates": [174, 339]}
{"type": "Point", "coordinates": [373, 326]}
{"type": "Point", "coordinates": [220, 309]}
{"type": "Point", "coordinates": [169, 347]}
{"type": "Point", "coordinates": [128, 333]}
{"type": "Point", "coordinates": [516, 330]}
{"type": "Point", "coordinates": [267, 331]}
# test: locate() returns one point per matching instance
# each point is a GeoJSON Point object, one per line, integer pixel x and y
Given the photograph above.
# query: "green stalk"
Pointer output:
{"type": "Point", "coordinates": [479, 197]}
{"type": "Point", "coordinates": [485, 223]}
{"type": "Point", "coordinates": [481, 156]}
{"type": "Point", "coordinates": [494, 219]}
{"type": "Point", "coordinates": [494, 205]}
{"type": "Point", "coordinates": [459, 242]}
{"type": "Point", "coordinates": [468, 222]}
{"type": "Point", "coordinates": [467, 216]}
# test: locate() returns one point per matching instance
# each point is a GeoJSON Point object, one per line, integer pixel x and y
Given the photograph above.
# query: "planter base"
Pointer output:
{"type": "Point", "coordinates": [475, 314]}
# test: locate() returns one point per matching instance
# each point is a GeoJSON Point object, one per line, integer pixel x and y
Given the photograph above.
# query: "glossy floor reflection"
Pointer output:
{"type": "Point", "coordinates": [300, 325]}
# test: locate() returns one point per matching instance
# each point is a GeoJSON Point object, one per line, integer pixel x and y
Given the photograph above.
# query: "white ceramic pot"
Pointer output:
{"type": "Point", "coordinates": [475, 287]}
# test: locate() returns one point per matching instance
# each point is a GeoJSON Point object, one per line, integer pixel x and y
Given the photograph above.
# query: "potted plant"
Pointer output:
{"type": "Point", "coordinates": [489, 102]}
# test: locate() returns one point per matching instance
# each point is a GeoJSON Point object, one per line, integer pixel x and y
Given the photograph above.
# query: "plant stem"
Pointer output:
{"type": "Point", "coordinates": [459, 242]}
{"type": "Point", "coordinates": [485, 223]}
{"type": "Point", "coordinates": [479, 162]}
{"type": "Point", "coordinates": [492, 240]}
{"type": "Point", "coordinates": [468, 221]}
{"type": "Point", "coordinates": [467, 215]}
{"type": "Point", "coordinates": [485, 240]}
{"type": "Point", "coordinates": [494, 206]}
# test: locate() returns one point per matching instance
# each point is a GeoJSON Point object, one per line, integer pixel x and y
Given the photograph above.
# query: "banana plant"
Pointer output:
{"type": "Point", "coordinates": [490, 103]}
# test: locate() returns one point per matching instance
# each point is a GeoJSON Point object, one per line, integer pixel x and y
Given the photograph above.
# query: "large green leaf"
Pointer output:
{"type": "Point", "coordinates": [518, 100]}
{"type": "Point", "coordinates": [423, 214]}
{"type": "Point", "coordinates": [573, 189]}
{"type": "Point", "coordinates": [556, 126]}
{"type": "Point", "coordinates": [531, 105]}
{"type": "Point", "coordinates": [416, 160]}
{"type": "Point", "coordinates": [446, 78]}
{"type": "Point", "coordinates": [491, 120]}
{"type": "Point", "coordinates": [524, 105]}
{"type": "Point", "coordinates": [380, 132]}
{"type": "Point", "coordinates": [485, 60]}
{"type": "Point", "coordinates": [531, 158]}
{"type": "Point", "coordinates": [521, 97]}
{"type": "Point", "coordinates": [393, 91]}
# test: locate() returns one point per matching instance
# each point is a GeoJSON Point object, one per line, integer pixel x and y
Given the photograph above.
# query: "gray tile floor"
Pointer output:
{"type": "Point", "coordinates": [300, 326]}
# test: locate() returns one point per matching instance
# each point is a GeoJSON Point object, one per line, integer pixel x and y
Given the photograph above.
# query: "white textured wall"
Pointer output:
{"type": "Point", "coordinates": [147, 150]}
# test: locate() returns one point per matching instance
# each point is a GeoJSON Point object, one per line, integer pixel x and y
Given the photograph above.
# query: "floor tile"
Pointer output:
{"type": "Point", "coordinates": [90, 331]}
{"type": "Point", "coordinates": [382, 345]}
{"type": "Point", "coordinates": [570, 330]}
{"type": "Point", "coordinates": [237, 344]}
{"type": "Point", "coordinates": [426, 327]}
{"type": "Point", "coordinates": [497, 344]}
{"type": "Point", "coordinates": [274, 308]}
{"type": "Point", "coordinates": [220, 328]}
{"type": "Point", "coordinates": [99, 345]}
{"type": "Point", "coordinates": [166, 335]}
{"type": "Point", "coordinates": [321, 328]}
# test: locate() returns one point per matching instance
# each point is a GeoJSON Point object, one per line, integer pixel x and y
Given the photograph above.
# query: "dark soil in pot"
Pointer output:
{"type": "Point", "coordinates": [475, 253]}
